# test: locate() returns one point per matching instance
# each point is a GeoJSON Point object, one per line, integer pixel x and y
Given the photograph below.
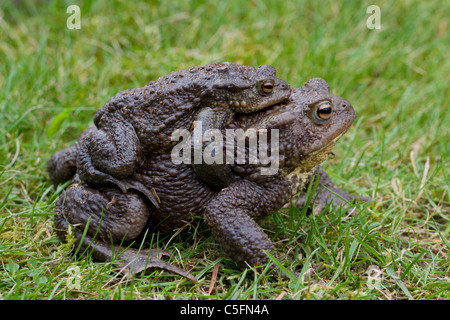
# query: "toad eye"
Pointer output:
{"type": "Point", "coordinates": [323, 111]}
{"type": "Point", "coordinates": [267, 86]}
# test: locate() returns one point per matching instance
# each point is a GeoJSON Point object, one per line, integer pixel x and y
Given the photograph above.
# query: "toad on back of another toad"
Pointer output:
{"type": "Point", "coordinates": [309, 125]}
{"type": "Point", "coordinates": [138, 122]}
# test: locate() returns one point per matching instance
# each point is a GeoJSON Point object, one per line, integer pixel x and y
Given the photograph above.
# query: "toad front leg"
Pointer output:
{"type": "Point", "coordinates": [328, 193]}
{"type": "Point", "coordinates": [230, 218]}
{"type": "Point", "coordinates": [216, 174]}
{"type": "Point", "coordinates": [109, 156]}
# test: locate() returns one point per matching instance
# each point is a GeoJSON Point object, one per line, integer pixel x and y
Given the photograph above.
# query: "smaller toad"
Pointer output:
{"type": "Point", "coordinates": [138, 122]}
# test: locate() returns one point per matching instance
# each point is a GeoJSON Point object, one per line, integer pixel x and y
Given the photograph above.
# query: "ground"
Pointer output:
{"type": "Point", "coordinates": [53, 79]}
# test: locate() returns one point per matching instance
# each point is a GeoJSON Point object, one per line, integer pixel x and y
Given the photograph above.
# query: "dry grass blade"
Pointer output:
{"type": "Point", "coordinates": [214, 278]}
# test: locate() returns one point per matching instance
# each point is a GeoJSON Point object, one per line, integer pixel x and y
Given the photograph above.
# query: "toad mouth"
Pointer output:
{"type": "Point", "coordinates": [328, 145]}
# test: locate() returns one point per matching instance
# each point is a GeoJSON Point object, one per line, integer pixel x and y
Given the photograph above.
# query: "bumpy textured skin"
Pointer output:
{"type": "Point", "coordinates": [138, 122]}
{"type": "Point", "coordinates": [111, 224]}
{"type": "Point", "coordinates": [304, 143]}
{"type": "Point", "coordinates": [62, 166]}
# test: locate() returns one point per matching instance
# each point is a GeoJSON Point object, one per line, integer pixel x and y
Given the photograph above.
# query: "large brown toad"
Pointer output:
{"type": "Point", "coordinates": [306, 128]}
{"type": "Point", "coordinates": [138, 122]}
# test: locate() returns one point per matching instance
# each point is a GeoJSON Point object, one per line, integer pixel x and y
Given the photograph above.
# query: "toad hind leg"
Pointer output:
{"type": "Point", "coordinates": [104, 159]}
{"type": "Point", "coordinates": [136, 261]}
{"type": "Point", "coordinates": [109, 217]}
{"type": "Point", "coordinates": [131, 260]}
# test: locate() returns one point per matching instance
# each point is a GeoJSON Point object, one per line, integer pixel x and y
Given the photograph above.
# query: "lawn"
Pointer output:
{"type": "Point", "coordinates": [53, 79]}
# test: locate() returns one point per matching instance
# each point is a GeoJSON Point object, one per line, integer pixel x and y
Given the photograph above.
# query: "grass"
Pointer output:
{"type": "Point", "coordinates": [52, 80]}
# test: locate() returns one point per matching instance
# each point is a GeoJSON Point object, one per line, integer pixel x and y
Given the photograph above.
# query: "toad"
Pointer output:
{"type": "Point", "coordinates": [307, 127]}
{"type": "Point", "coordinates": [138, 122]}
